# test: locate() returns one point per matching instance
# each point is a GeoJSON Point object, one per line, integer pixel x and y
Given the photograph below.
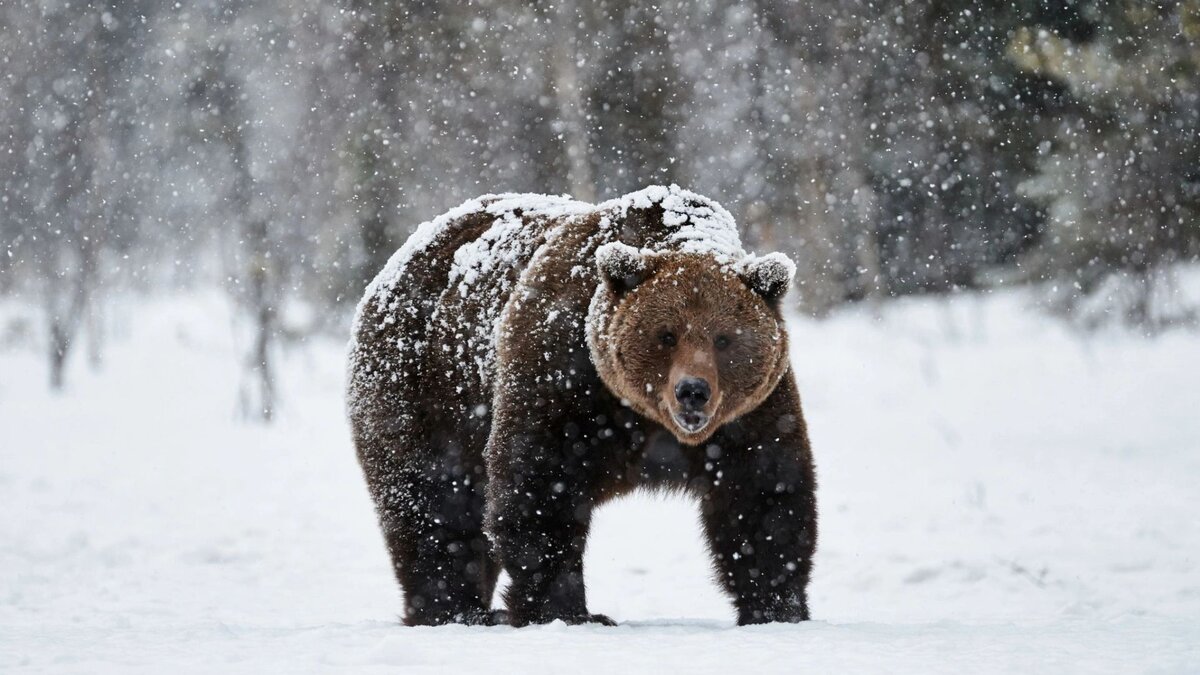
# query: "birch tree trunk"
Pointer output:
{"type": "Point", "coordinates": [570, 101]}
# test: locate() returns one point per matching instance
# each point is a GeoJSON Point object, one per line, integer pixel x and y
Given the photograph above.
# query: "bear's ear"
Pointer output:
{"type": "Point", "coordinates": [621, 266]}
{"type": "Point", "coordinates": [769, 275]}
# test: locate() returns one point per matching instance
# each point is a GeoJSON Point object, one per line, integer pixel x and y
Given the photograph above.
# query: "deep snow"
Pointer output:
{"type": "Point", "coordinates": [997, 495]}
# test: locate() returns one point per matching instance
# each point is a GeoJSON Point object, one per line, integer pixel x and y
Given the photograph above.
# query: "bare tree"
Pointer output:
{"type": "Point", "coordinates": [568, 95]}
{"type": "Point", "coordinates": [63, 165]}
{"type": "Point", "coordinates": [221, 115]}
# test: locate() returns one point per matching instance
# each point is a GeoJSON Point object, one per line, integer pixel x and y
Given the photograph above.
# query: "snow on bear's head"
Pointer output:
{"type": "Point", "coordinates": [688, 339]}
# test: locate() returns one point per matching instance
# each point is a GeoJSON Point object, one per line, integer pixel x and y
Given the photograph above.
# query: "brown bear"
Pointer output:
{"type": "Point", "coordinates": [524, 358]}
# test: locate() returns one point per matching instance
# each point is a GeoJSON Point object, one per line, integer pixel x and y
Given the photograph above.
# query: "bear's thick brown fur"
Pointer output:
{"type": "Point", "coordinates": [524, 358]}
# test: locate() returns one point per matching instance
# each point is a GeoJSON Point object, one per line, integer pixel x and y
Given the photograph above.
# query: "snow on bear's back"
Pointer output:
{"type": "Point", "coordinates": [476, 256]}
{"type": "Point", "coordinates": [692, 224]}
{"type": "Point", "coordinates": [510, 240]}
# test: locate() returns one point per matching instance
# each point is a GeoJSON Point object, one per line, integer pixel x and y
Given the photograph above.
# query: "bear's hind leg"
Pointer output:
{"type": "Point", "coordinates": [434, 532]}
{"type": "Point", "coordinates": [539, 515]}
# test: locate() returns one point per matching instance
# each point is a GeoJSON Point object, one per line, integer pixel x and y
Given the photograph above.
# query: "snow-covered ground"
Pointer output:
{"type": "Point", "coordinates": [997, 495]}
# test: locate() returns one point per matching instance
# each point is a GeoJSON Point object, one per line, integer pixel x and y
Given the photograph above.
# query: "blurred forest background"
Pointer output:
{"type": "Point", "coordinates": [284, 148]}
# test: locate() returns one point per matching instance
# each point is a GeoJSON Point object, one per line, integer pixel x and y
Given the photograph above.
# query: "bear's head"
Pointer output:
{"type": "Point", "coordinates": [685, 339]}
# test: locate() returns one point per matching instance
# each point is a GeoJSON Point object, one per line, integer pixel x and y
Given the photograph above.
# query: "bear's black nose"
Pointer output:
{"type": "Point", "coordinates": [692, 393]}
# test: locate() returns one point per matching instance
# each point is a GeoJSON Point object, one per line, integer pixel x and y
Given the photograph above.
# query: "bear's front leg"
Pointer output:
{"type": "Point", "coordinates": [759, 509]}
{"type": "Point", "coordinates": [539, 513]}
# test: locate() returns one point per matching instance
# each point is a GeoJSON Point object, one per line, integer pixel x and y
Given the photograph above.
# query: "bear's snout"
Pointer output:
{"type": "Point", "coordinates": [693, 393]}
{"type": "Point", "coordinates": [693, 396]}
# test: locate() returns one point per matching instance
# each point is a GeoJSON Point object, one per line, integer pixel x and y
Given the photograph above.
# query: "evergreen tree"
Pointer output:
{"type": "Point", "coordinates": [1122, 178]}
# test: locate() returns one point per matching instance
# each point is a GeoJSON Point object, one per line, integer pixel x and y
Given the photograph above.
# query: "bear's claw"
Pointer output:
{"type": "Point", "coordinates": [601, 619]}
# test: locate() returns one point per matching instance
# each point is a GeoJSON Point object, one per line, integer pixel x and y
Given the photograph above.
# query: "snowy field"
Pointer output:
{"type": "Point", "coordinates": [997, 495]}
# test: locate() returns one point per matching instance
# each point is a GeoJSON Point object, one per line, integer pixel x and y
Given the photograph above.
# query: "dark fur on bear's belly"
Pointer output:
{"type": "Point", "coordinates": [524, 444]}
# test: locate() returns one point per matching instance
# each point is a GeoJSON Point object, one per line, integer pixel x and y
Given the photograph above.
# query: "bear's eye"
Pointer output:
{"type": "Point", "coordinates": [667, 338]}
{"type": "Point", "coordinates": [722, 342]}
